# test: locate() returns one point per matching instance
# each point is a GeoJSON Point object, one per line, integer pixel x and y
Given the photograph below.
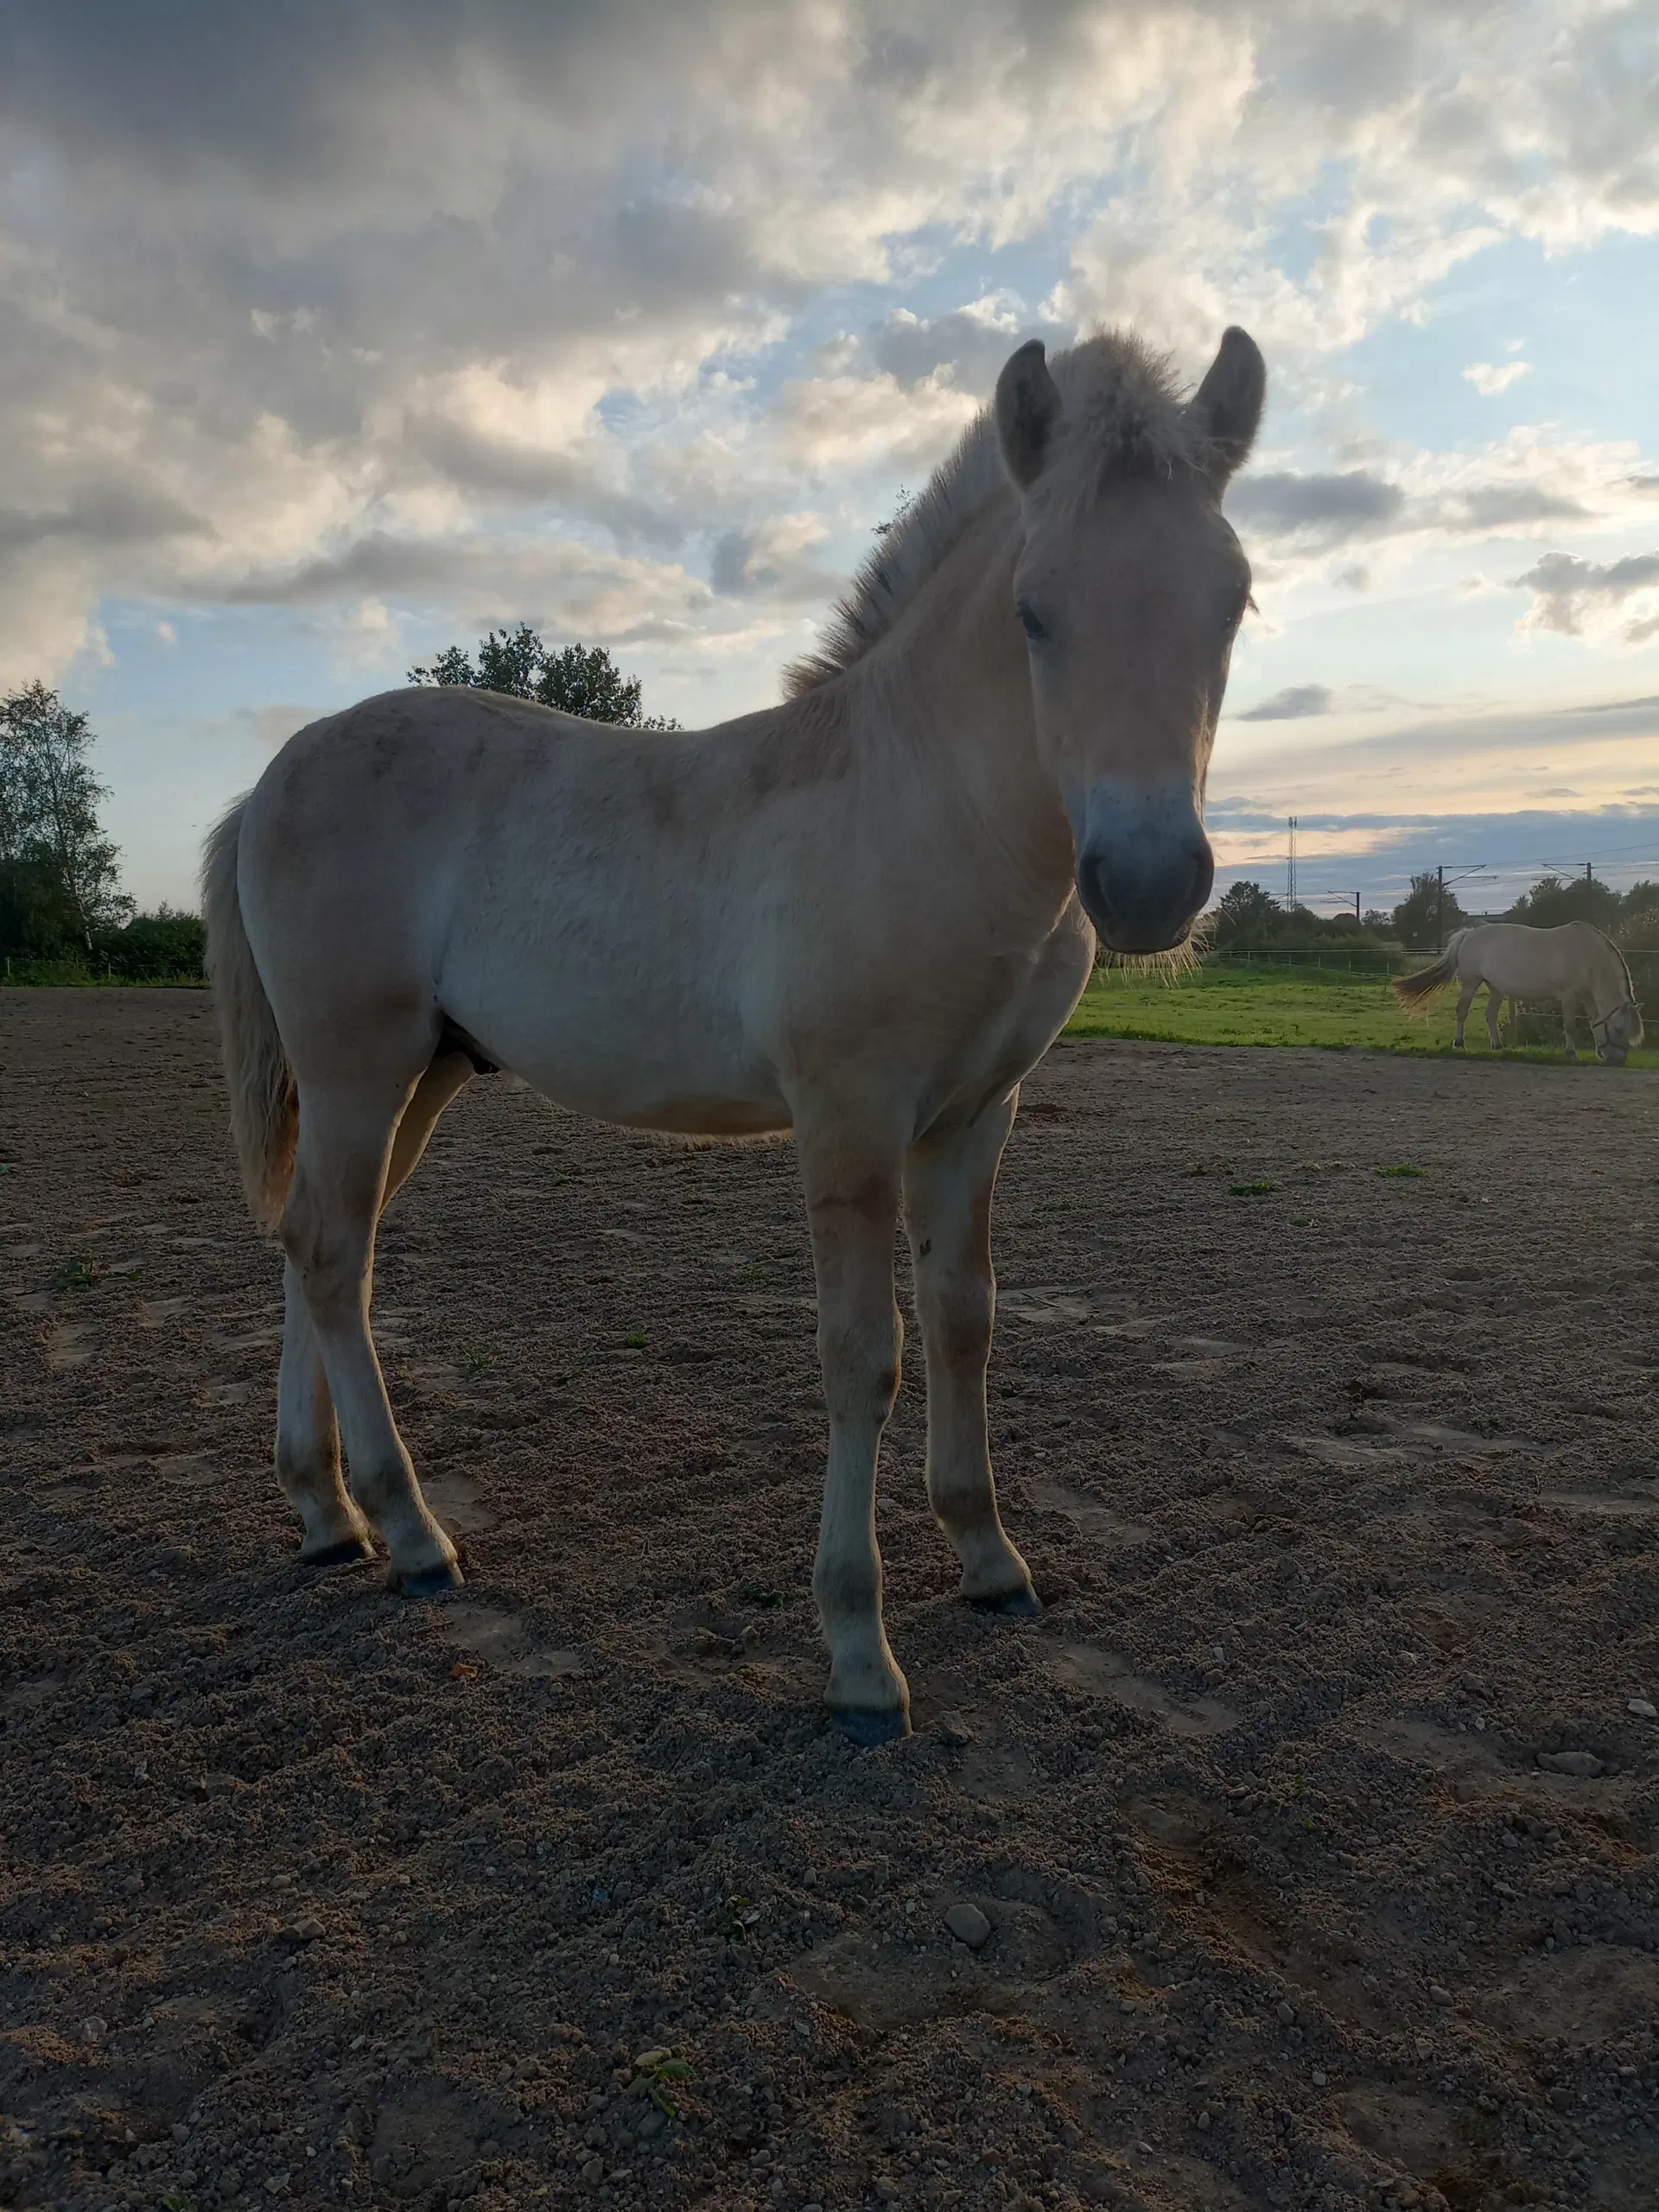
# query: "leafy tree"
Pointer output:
{"type": "Point", "coordinates": [59, 877]}
{"type": "Point", "coordinates": [1246, 915]}
{"type": "Point", "coordinates": [1555, 900]}
{"type": "Point", "coordinates": [905, 501]}
{"type": "Point", "coordinates": [577, 680]}
{"type": "Point", "coordinates": [166, 943]}
{"type": "Point", "coordinates": [1421, 920]}
{"type": "Point", "coordinates": [1638, 923]}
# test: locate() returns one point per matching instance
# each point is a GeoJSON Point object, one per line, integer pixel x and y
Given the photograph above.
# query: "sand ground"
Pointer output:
{"type": "Point", "coordinates": [1312, 1828]}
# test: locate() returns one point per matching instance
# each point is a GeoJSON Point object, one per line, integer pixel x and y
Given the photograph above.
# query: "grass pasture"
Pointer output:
{"type": "Point", "coordinates": [1341, 1009]}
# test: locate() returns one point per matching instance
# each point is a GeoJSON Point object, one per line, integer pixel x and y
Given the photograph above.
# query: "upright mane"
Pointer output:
{"type": "Point", "coordinates": [1125, 413]}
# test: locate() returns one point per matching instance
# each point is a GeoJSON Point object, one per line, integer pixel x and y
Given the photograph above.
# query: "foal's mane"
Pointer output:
{"type": "Point", "coordinates": [1123, 414]}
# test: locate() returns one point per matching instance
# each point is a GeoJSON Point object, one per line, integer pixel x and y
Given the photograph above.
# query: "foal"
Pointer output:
{"type": "Point", "coordinates": [862, 915]}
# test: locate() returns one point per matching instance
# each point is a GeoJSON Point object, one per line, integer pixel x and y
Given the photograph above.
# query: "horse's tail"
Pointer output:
{"type": "Point", "coordinates": [1412, 990]}
{"type": "Point", "coordinates": [264, 1111]}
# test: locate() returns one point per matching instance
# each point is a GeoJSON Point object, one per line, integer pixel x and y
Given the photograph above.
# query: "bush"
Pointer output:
{"type": "Point", "coordinates": [165, 946]}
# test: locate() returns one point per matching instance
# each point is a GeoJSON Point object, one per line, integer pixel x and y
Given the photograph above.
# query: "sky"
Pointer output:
{"type": "Point", "coordinates": [334, 333]}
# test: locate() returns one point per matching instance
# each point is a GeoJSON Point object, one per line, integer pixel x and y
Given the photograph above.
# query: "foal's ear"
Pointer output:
{"type": "Point", "coordinates": [1228, 403]}
{"type": "Point", "coordinates": [1027, 412]}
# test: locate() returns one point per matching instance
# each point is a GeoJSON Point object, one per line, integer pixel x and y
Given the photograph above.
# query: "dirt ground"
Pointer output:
{"type": "Point", "coordinates": [1311, 1831]}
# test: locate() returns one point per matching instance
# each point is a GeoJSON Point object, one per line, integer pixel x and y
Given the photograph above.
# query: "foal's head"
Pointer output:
{"type": "Point", "coordinates": [1130, 587]}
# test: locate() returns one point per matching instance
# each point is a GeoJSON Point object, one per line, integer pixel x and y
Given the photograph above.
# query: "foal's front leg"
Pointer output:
{"type": "Point", "coordinates": [948, 1179]}
{"type": "Point", "coordinates": [852, 1196]}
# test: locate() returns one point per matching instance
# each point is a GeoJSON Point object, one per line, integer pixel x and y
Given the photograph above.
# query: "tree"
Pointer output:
{"type": "Point", "coordinates": [577, 680]}
{"type": "Point", "coordinates": [61, 871]}
{"type": "Point", "coordinates": [1638, 923]}
{"type": "Point", "coordinates": [1427, 917]}
{"type": "Point", "coordinates": [1246, 915]}
{"type": "Point", "coordinates": [1554, 900]}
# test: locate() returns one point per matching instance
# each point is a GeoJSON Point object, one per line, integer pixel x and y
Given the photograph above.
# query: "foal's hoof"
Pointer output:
{"type": "Point", "coordinates": [439, 1581]}
{"type": "Point", "coordinates": [866, 1729]}
{"type": "Point", "coordinates": [350, 1551]}
{"type": "Point", "coordinates": [1012, 1605]}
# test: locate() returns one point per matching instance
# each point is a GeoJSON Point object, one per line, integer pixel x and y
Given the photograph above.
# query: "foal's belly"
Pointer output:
{"type": "Point", "coordinates": [637, 1057]}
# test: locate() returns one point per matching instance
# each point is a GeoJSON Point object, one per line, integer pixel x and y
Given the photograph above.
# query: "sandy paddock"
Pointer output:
{"type": "Point", "coordinates": [1309, 1838]}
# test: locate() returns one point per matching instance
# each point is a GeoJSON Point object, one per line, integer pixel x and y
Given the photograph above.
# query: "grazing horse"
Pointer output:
{"type": "Point", "coordinates": [862, 915]}
{"type": "Point", "coordinates": [1575, 964]}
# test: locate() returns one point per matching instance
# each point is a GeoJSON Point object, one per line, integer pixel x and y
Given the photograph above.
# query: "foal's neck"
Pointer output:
{"type": "Point", "coordinates": [955, 684]}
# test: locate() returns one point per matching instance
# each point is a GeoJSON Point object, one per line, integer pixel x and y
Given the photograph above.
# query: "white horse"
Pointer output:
{"type": "Point", "coordinates": [862, 915]}
{"type": "Point", "coordinates": [1575, 964]}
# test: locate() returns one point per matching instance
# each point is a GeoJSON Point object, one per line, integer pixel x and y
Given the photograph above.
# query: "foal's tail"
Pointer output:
{"type": "Point", "coordinates": [1412, 990]}
{"type": "Point", "coordinates": [264, 1111]}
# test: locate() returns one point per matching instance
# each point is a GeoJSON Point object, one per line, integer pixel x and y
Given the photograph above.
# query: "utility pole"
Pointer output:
{"type": "Point", "coordinates": [1290, 866]}
{"type": "Point", "coordinates": [1461, 876]}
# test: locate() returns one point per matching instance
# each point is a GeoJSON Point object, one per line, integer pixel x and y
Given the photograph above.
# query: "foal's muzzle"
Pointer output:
{"type": "Point", "coordinates": [1144, 869]}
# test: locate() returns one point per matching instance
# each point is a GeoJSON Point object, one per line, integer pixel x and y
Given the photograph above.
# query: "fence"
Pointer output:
{"type": "Point", "coordinates": [1376, 962]}
{"type": "Point", "coordinates": [22, 968]}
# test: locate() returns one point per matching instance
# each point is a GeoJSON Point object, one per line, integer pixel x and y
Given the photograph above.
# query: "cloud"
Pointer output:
{"type": "Point", "coordinates": [1572, 596]}
{"type": "Point", "coordinates": [1490, 378]}
{"type": "Point", "coordinates": [1282, 504]}
{"type": "Point", "coordinates": [1295, 704]}
{"type": "Point", "coordinates": [319, 308]}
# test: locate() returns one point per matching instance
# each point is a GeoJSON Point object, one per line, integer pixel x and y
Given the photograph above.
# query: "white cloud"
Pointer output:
{"type": "Point", "coordinates": [633, 317]}
{"type": "Point", "coordinates": [1490, 378]}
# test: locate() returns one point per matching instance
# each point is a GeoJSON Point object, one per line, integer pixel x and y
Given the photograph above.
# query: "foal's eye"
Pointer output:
{"type": "Point", "coordinates": [1029, 621]}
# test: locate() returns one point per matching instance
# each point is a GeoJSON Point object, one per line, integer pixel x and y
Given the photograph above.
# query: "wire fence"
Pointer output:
{"type": "Point", "coordinates": [21, 968]}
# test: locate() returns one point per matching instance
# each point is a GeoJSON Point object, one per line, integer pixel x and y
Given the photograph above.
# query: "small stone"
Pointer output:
{"type": "Point", "coordinates": [1441, 1996]}
{"type": "Point", "coordinates": [968, 1925]}
{"type": "Point", "coordinates": [94, 2031]}
{"type": "Point", "coordinates": [954, 1730]}
{"type": "Point", "coordinates": [307, 1929]}
{"type": "Point", "coordinates": [1320, 2078]}
{"type": "Point", "coordinates": [1581, 1764]}
{"type": "Point", "coordinates": [1643, 1707]}
{"type": "Point", "coordinates": [594, 2171]}
{"type": "Point", "coordinates": [1286, 2013]}
{"type": "Point", "coordinates": [1202, 2121]}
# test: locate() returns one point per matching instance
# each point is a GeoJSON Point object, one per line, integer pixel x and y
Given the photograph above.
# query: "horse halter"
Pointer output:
{"type": "Point", "coordinates": [1600, 1021]}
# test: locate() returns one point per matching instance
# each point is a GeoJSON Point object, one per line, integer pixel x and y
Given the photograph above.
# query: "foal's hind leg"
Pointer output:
{"type": "Point", "coordinates": [948, 1178]}
{"type": "Point", "coordinates": [327, 1230]}
{"type": "Point", "coordinates": [307, 1443]}
{"type": "Point", "coordinates": [308, 1436]}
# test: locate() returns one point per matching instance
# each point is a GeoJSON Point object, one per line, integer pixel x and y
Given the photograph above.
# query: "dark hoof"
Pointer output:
{"type": "Point", "coordinates": [350, 1551]}
{"type": "Point", "coordinates": [868, 1730]}
{"type": "Point", "coordinates": [439, 1581]}
{"type": "Point", "coordinates": [1012, 1605]}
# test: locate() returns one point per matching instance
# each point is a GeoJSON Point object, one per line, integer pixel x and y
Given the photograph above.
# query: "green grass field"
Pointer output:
{"type": "Point", "coordinates": [1307, 1006]}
